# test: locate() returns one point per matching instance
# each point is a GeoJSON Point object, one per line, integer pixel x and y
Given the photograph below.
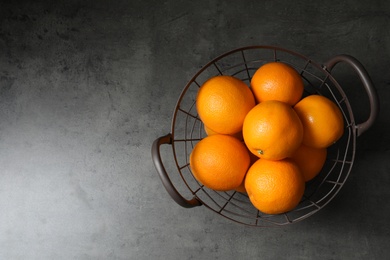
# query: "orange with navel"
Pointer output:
{"type": "Point", "coordinates": [272, 130]}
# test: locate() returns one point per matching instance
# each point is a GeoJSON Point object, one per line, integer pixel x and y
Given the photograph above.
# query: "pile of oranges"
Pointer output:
{"type": "Point", "coordinates": [266, 139]}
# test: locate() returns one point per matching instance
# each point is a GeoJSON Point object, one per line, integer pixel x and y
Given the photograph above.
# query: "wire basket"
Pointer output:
{"type": "Point", "coordinates": [187, 130]}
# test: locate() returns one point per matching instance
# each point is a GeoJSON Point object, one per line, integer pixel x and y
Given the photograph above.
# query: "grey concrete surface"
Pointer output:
{"type": "Point", "coordinates": [87, 86]}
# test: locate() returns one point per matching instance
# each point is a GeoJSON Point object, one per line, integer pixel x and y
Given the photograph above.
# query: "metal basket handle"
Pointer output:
{"type": "Point", "coordinates": [367, 83]}
{"type": "Point", "coordinates": [179, 199]}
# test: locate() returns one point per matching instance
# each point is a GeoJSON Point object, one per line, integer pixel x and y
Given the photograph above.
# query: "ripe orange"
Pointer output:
{"type": "Point", "coordinates": [309, 160]}
{"type": "Point", "coordinates": [223, 102]}
{"type": "Point", "coordinates": [272, 130]}
{"type": "Point", "coordinates": [274, 187]}
{"type": "Point", "coordinates": [322, 121]}
{"type": "Point", "coordinates": [219, 162]}
{"type": "Point", "coordinates": [277, 81]}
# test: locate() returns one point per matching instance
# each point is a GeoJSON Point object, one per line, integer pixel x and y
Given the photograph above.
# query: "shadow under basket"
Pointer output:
{"type": "Point", "coordinates": [187, 130]}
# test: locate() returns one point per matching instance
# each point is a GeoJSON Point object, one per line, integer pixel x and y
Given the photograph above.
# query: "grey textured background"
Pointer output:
{"type": "Point", "coordinates": [87, 86]}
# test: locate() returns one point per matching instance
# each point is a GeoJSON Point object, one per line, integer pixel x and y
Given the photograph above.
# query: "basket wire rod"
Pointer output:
{"type": "Point", "coordinates": [258, 216]}
{"type": "Point", "coordinates": [336, 161]}
{"type": "Point", "coordinates": [334, 182]}
{"type": "Point", "coordinates": [246, 65]}
{"type": "Point", "coordinates": [323, 83]}
{"type": "Point", "coordinates": [287, 218]}
{"type": "Point", "coordinates": [228, 213]}
{"type": "Point", "coordinates": [312, 203]}
{"type": "Point", "coordinates": [184, 166]}
{"type": "Point", "coordinates": [226, 203]}
{"type": "Point", "coordinates": [325, 178]}
{"type": "Point", "coordinates": [185, 140]}
{"type": "Point", "coordinates": [219, 70]}
{"type": "Point", "coordinates": [332, 192]}
{"type": "Point", "coordinates": [305, 67]}
{"type": "Point", "coordinates": [187, 113]}
{"type": "Point", "coordinates": [239, 71]}
{"type": "Point", "coordinates": [232, 200]}
{"type": "Point", "coordinates": [275, 56]}
{"type": "Point", "coordinates": [202, 188]}
{"type": "Point", "coordinates": [268, 219]}
{"type": "Point", "coordinates": [245, 212]}
{"type": "Point", "coordinates": [305, 216]}
{"type": "Point", "coordinates": [333, 187]}
{"type": "Point", "coordinates": [233, 219]}
{"type": "Point", "coordinates": [193, 129]}
{"type": "Point", "coordinates": [342, 100]}
{"type": "Point", "coordinates": [337, 182]}
{"type": "Point", "coordinates": [185, 146]}
{"type": "Point", "coordinates": [180, 170]}
{"type": "Point", "coordinates": [350, 125]}
{"type": "Point", "coordinates": [197, 190]}
{"type": "Point", "coordinates": [313, 88]}
{"type": "Point", "coordinates": [346, 152]}
{"type": "Point", "coordinates": [316, 88]}
{"type": "Point", "coordinates": [197, 83]}
{"type": "Point", "coordinates": [335, 98]}
{"type": "Point", "coordinates": [343, 161]}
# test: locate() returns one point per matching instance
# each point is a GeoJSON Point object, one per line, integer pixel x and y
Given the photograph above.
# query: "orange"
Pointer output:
{"type": "Point", "coordinates": [309, 160]}
{"type": "Point", "coordinates": [272, 130]}
{"type": "Point", "coordinates": [277, 81]}
{"type": "Point", "coordinates": [322, 121]}
{"type": "Point", "coordinates": [222, 103]}
{"type": "Point", "coordinates": [211, 132]}
{"type": "Point", "coordinates": [274, 187]}
{"type": "Point", "coordinates": [219, 162]}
